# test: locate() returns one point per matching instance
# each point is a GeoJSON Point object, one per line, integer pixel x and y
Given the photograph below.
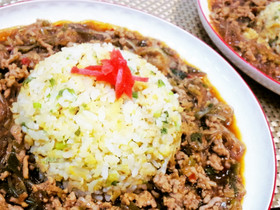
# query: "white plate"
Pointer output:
{"type": "Point", "coordinates": [260, 165]}
{"type": "Point", "coordinates": [253, 72]}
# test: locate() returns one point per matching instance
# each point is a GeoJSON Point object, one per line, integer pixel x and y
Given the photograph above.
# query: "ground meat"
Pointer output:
{"type": "Point", "coordinates": [4, 175]}
{"type": "Point", "coordinates": [20, 199]}
{"type": "Point", "coordinates": [171, 203]}
{"type": "Point", "coordinates": [25, 170]}
{"type": "Point", "coordinates": [191, 201]}
{"type": "Point", "coordinates": [259, 2]}
{"type": "Point", "coordinates": [145, 199]}
{"type": "Point", "coordinates": [163, 182]}
{"type": "Point", "coordinates": [16, 132]}
{"type": "Point", "coordinates": [87, 202]}
{"type": "Point", "coordinates": [219, 148]}
{"type": "Point", "coordinates": [70, 200]}
{"type": "Point", "coordinates": [204, 182]}
{"type": "Point", "coordinates": [211, 203]}
{"type": "Point", "coordinates": [20, 155]}
{"type": "Point", "coordinates": [180, 196]}
{"type": "Point", "coordinates": [215, 162]}
{"type": "Point", "coordinates": [49, 187]}
{"type": "Point", "coordinates": [3, 203]}
{"type": "Point", "coordinates": [205, 172]}
{"type": "Point", "coordinates": [56, 204]}
{"type": "Point", "coordinates": [127, 198]}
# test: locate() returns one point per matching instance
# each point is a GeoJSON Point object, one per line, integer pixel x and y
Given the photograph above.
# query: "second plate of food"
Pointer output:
{"type": "Point", "coordinates": [247, 34]}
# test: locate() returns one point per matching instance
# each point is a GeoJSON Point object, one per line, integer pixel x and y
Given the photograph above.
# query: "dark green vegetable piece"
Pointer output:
{"type": "Point", "coordinates": [135, 94]}
{"type": "Point", "coordinates": [179, 73]}
{"type": "Point", "coordinates": [11, 188]}
{"type": "Point", "coordinates": [34, 201]}
{"type": "Point", "coordinates": [192, 161]}
{"type": "Point", "coordinates": [272, 41]}
{"type": "Point", "coordinates": [70, 90]}
{"type": "Point", "coordinates": [233, 177]}
{"type": "Point", "coordinates": [210, 105]}
{"type": "Point", "coordinates": [167, 114]}
{"type": "Point", "coordinates": [13, 164]}
{"type": "Point", "coordinates": [52, 82]}
{"type": "Point", "coordinates": [209, 171]}
{"type": "Point", "coordinates": [36, 176]}
{"type": "Point", "coordinates": [23, 124]}
{"type": "Point", "coordinates": [16, 186]}
{"type": "Point", "coordinates": [203, 112]}
{"type": "Point", "coordinates": [163, 131]}
{"type": "Point", "coordinates": [27, 80]}
{"type": "Point", "coordinates": [187, 150]}
{"type": "Point", "coordinates": [132, 206]}
{"type": "Point", "coordinates": [114, 183]}
{"type": "Point", "coordinates": [196, 137]}
{"type": "Point", "coordinates": [60, 145]}
{"type": "Point", "coordinates": [37, 105]}
{"type": "Point", "coordinates": [160, 83]}
{"type": "Point", "coordinates": [78, 132]}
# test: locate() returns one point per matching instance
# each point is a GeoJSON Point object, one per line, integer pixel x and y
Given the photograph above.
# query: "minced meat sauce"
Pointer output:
{"type": "Point", "coordinates": [237, 22]}
{"type": "Point", "coordinates": [206, 170]}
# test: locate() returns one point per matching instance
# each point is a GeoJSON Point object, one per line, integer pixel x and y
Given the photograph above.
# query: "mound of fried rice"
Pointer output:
{"type": "Point", "coordinates": [83, 136]}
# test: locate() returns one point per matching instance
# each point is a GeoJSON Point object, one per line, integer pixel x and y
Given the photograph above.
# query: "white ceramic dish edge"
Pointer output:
{"type": "Point", "coordinates": [240, 62]}
{"type": "Point", "coordinates": [229, 84]}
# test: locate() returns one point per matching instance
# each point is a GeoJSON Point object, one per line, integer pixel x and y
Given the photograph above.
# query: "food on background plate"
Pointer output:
{"type": "Point", "coordinates": [97, 116]}
{"type": "Point", "coordinates": [252, 29]}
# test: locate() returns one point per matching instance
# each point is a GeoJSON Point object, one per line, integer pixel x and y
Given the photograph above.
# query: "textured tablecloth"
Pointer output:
{"type": "Point", "coordinates": [183, 13]}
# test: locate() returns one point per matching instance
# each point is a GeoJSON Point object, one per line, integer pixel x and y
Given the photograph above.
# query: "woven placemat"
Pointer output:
{"type": "Point", "coordinates": [183, 13]}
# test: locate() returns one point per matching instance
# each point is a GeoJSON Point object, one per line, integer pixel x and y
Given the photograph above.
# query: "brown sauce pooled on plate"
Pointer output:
{"type": "Point", "coordinates": [206, 171]}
